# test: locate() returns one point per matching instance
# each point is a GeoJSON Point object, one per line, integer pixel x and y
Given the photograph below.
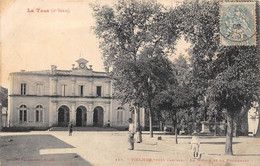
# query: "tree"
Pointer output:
{"type": "Point", "coordinates": [133, 36]}
{"type": "Point", "coordinates": [235, 85]}
{"type": "Point", "coordinates": [3, 96]}
{"type": "Point", "coordinates": [231, 72]}
{"type": "Point", "coordinates": [215, 114]}
{"type": "Point", "coordinates": [178, 96]}
{"type": "Point", "coordinates": [139, 81]}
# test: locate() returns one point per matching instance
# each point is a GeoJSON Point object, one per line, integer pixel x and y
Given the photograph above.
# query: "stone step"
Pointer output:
{"type": "Point", "coordinates": [83, 129]}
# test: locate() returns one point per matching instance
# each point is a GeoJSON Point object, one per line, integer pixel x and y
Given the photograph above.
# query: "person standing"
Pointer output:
{"type": "Point", "coordinates": [131, 133]}
{"type": "Point", "coordinates": [195, 144]}
{"type": "Point", "coordinates": [108, 123]}
{"type": "Point", "coordinates": [165, 129]}
{"type": "Point", "coordinates": [70, 129]}
{"type": "Point", "coordinates": [139, 133]}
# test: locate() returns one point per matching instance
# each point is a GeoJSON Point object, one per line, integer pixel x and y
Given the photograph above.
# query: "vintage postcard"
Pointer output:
{"type": "Point", "coordinates": [129, 82]}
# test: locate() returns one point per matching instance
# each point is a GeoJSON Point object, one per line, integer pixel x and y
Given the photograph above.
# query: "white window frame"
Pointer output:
{"type": "Point", "coordinates": [23, 89]}
{"type": "Point", "coordinates": [23, 109]}
{"type": "Point", "coordinates": [120, 110]}
{"type": "Point", "coordinates": [39, 108]}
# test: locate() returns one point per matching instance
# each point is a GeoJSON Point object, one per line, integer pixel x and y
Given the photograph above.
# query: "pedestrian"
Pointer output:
{"type": "Point", "coordinates": [70, 129]}
{"type": "Point", "coordinates": [108, 123]}
{"type": "Point", "coordinates": [165, 129]}
{"type": "Point", "coordinates": [131, 133]}
{"type": "Point", "coordinates": [195, 144]}
{"type": "Point", "coordinates": [139, 133]}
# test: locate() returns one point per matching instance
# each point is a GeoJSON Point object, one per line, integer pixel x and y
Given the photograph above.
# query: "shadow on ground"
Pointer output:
{"type": "Point", "coordinates": [147, 150]}
{"type": "Point", "coordinates": [246, 154]}
{"type": "Point", "coordinates": [218, 143]}
{"type": "Point", "coordinates": [187, 136]}
{"type": "Point", "coordinates": [201, 137]}
{"type": "Point", "coordinates": [25, 150]}
{"type": "Point", "coordinates": [214, 154]}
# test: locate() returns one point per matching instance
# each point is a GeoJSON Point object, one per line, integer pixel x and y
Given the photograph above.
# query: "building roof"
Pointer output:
{"type": "Point", "coordinates": [76, 71]}
{"type": "Point", "coordinates": [63, 73]}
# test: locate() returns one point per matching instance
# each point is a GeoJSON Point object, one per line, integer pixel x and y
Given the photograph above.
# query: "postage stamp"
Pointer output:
{"type": "Point", "coordinates": [237, 24]}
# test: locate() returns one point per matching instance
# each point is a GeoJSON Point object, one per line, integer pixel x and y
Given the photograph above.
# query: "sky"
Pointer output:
{"type": "Point", "coordinates": [34, 41]}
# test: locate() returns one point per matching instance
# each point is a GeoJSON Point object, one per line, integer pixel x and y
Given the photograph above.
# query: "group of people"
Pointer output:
{"type": "Point", "coordinates": [131, 132]}
{"type": "Point", "coordinates": [195, 142]}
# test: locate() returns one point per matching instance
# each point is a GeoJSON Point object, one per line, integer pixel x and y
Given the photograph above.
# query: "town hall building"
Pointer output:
{"type": "Point", "coordinates": [57, 97]}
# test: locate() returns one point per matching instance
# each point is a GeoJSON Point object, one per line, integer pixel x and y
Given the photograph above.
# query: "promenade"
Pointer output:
{"type": "Point", "coordinates": [111, 148]}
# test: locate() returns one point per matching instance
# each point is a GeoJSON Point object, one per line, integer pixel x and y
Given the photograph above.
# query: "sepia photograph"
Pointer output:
{"type": "Point", "coordinates": [129, 82]}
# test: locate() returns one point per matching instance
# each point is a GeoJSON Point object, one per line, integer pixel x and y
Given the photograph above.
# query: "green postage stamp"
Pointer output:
{"type": "Point", "coordinates": [237, 24]}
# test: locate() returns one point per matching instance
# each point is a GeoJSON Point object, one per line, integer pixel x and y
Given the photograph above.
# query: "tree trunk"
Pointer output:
{"type": "Point", "coordinates": [176, 135]}
{"type": "Point", "coordinates": [258, 128]}
{"type": "Point", "coordinates": [176, 129]}
{"type": "Point", "coordinates": [138, 115]}
{"type": "Point", "coordinates": [235, 129]}
{"type": "Point", "coordinates": [139, 127]}
{"type": "Point", "coordinates": [151, 122]}
{"type": "Point", "coordinates": [215, 125]}
{"type": "Point", "coordinates": [229, 136]}
{"type": "Point", "coordinates": [173, 124]}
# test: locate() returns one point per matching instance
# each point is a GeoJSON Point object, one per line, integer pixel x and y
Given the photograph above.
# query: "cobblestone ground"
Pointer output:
{"type": "Point", "coordinates": [111, 148]}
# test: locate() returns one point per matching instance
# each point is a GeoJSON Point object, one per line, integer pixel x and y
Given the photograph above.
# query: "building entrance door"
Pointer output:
{"type": "Point", "coordinates": [98, 116]}
{"type": "Point", "coordinates": [79, 117]}
{"type": "Point", "coordinates": [63, 116]}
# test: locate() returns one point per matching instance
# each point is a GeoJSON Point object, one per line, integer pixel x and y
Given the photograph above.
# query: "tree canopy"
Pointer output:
{"type": "Point", "coordinates": [133, 38]}
{"type": "Point", "coordinates": [228, 76]}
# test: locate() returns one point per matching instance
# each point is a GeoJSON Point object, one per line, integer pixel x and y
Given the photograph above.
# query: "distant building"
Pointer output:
{"type": "Point", "coordinates": [4, 116]}
{"type": "Point", "coordinates": [56, 97]}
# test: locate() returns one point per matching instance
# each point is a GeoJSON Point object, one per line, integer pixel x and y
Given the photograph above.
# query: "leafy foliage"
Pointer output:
{"type": "Point", "coordinates": [133, 37]}
{"type": "Point", "coordinates": [179, 97]}
{"type": "Point", "coordinates": [3, 96]}
{"type": "Point", "coordinates": [227, 77]}
{"type": "Point", "coordinates": [131, 29]}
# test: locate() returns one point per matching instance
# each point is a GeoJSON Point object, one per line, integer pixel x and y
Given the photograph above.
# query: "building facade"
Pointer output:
{"type": "Point", "coordinates": [57, 97]}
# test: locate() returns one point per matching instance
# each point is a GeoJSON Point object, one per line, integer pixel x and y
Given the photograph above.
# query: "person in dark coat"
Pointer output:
{"type": "Point", "coordinates": [139, 133]}
{"type": "Point", "coordinates": [70, 129]}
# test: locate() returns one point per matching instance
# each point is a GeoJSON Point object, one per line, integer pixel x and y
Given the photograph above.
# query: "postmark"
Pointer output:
{"type": "Point", "coordinates": [237, 24]}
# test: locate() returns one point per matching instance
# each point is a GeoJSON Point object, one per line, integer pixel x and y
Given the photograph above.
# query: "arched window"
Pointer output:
{"type": "Point", "coordinates": [120, 114]}
{"type": "Point", "coordinates": [38, 113]}
{"type": "Point", "coordinates": [23, 113]}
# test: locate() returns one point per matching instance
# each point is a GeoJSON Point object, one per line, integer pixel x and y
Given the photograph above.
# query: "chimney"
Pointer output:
{"type": "Point", "coordinates": [53, 69]}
